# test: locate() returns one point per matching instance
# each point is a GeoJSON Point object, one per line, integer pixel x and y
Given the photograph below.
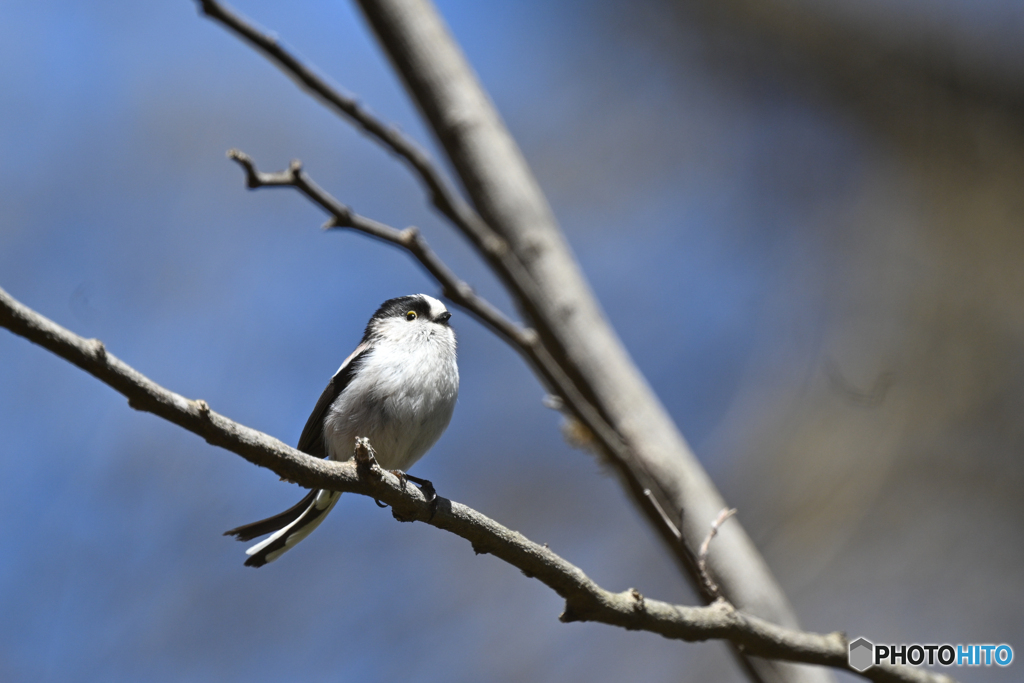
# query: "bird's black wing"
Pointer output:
{"type": "Point", "coordinates": [311, 442]}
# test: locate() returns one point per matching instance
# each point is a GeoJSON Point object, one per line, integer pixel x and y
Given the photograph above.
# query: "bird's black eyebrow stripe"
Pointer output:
{"type": "Point", "coordinates": [400, 306]}
{"type": "Point", "coordinates": [396, 308]}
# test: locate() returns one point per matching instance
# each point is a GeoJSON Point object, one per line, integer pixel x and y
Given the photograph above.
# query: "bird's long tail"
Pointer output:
{"type": "Point", "coordinates": [288, 527]}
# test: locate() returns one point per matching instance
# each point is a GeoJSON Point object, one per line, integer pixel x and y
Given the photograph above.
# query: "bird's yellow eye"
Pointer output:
{"type": "Point", "coordinates": [411, 315]}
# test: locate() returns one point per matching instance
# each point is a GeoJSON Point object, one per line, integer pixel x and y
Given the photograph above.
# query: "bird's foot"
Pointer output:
{"type": "Point", "coordinates": [425, 486]}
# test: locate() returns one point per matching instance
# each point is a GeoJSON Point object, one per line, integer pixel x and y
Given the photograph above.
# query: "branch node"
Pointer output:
{"type": "Point", "coordinates": [99, 351]}
{"type": "Point", "coordinates": [638, 600]}
{"type": "Point", "coordinates": [569, 614]}
{"type": "Point", "coordinates": [401, 517]}
{"type": "Point", "coordinates": [295, 167]}
{"type": "Point", "coordinates": [409, 236]}
{"type": "Point", "coordinates": [341, 217]}
{"type": "Point", "coordinates": [204, 409]}
{"type": "Point", "coordinates": [366, 459]}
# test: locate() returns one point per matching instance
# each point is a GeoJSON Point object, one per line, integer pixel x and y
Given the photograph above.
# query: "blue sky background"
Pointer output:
{"type": "Point", "coordinates": [709, 211]}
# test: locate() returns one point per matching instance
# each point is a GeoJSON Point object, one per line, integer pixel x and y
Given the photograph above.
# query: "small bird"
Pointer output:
{"type": "Point", "coordinates": [398, 389]}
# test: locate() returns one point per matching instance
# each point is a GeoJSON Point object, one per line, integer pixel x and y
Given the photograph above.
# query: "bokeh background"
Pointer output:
{"type": "Point", "coordinates": [804, 217]}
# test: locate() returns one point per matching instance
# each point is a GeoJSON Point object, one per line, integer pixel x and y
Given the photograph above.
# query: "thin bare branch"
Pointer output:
{"type": "Point", "coordinates": [447, 201]}
{"type": "Point", "coordinates": [410, 239]}
{"type": "Point", "coordinates": [702, 554]}
{"type": "Point", "coordinates": [525, 341]}
{"type": "Point", "coordinates": [569, 320]}
{"type": "Point", "coordinates": [584, 599]}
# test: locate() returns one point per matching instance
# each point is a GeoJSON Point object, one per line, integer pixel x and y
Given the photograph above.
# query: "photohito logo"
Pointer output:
{"type": "Point", "coordinates": [865, 654]}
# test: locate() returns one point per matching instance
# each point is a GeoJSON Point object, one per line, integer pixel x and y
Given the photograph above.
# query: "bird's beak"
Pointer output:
{"type": "Point", "coordinates": [443, 318]}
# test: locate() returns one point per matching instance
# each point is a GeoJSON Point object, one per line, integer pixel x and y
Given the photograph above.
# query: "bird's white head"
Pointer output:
{"type": "Point", "coordinates": [417, 317]}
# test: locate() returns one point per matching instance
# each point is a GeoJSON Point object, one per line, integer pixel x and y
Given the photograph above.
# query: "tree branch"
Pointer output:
{"type": "Point", "coordinates": [702, 554]}
{"type": "Point", "coordinates": [525, 341]}
{"type": "Point", "coordinates": [584, 599]}
{"type": "Point", "coordinates": [446, 201]}
{"type": "Point", "coordinates": [409, 239]}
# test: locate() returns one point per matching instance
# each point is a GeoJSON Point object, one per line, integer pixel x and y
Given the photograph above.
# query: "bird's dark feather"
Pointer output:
{"type": "Point", "coordinates": [311, 514]}
{"type": "Point", "coordinates": [311, 442]}
{"type": "Point", "coordinates": [247, 532]}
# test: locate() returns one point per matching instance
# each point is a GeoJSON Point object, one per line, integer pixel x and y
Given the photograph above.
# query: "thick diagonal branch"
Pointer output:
{"type": "Point", "coordinates": [584, 599]}
{"type": "Point", "coordinates": [519, 237]}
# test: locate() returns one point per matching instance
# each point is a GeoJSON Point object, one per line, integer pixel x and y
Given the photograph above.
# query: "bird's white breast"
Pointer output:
{"type": "Point", "coordinates": [401, 396]}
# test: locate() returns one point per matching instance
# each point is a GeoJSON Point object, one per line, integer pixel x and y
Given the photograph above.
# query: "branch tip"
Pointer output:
{"type": "Point", "coordinates": [252, 176]}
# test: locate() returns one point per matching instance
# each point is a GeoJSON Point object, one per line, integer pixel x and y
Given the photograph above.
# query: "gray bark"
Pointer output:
{"type": "Point", "coordinates": [656, 457]}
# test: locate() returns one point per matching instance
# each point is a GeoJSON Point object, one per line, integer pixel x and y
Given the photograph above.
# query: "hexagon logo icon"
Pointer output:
{"type": "Point", "coordinates": [862, 654]}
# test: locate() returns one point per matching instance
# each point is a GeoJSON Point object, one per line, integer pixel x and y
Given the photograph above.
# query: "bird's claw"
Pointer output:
{"type": "Point", "coordinates": [425, 486]}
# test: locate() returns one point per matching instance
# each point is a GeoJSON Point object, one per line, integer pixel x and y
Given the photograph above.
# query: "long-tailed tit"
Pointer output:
{"type": "Point", "coordinates": [398, 389]}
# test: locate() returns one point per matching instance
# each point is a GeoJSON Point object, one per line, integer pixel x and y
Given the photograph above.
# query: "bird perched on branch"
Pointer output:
{"type": "Point", "coordinates": [398, 389]}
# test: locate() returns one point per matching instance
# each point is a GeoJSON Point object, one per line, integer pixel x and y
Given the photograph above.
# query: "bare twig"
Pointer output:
{"type": "Point", "coordinates": [584, 599]}
{"type": "Point", "coordinates": [702, 555]}
{"type": "Point", "coordinates": [410, 239]}
{"type": "Point", "coordinates": [447, 201]}
{"type": "Point", "coordinates": [672, 526]}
